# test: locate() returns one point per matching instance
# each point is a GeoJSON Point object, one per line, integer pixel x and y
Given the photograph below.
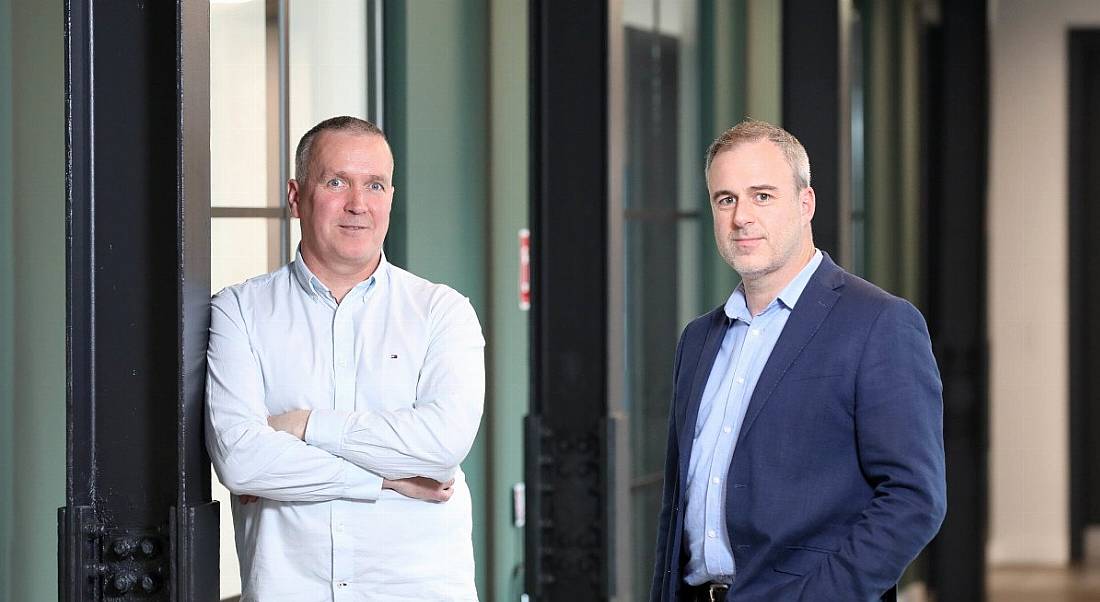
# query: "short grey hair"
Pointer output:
{"type": "Point", "coordinates": [752, 130]}
{"type": "Point", "coordinates": [304, 154]}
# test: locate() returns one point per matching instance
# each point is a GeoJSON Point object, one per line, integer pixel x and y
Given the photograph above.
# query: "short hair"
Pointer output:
{"type": "Point", "coordinates": [304, 154]}
{"type": "Point", "coordinates": [752, 130]}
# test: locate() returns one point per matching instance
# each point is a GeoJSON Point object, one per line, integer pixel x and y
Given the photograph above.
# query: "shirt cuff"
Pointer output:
{"type": "Point", "coordinates": [325, 430]}
{"type": "Point", "coordinates": [361, 484]}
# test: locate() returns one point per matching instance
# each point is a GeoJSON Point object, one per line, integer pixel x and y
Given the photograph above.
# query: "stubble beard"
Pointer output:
{"type": "Point", "coordinates": [765, 261]}
{"type": "Point", "coordinates": [749, 266]}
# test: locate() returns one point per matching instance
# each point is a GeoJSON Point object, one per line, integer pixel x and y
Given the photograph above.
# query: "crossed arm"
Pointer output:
{"type": "Point", "coordinates": [422, 488]}
{"type": "Point", "coordinates": [414, 450]}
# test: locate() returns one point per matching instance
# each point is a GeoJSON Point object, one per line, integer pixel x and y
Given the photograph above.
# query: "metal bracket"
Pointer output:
{"type": "Point", "coordinates": [79, 553]}
{"type": "Point", "coordinates": [569, 527]}
{"type": "Point", "coordinates": [137, 563]}
{"type": "Point", "coordinates": [195, 545]}
{"type": "Point", "coordinates": [111, 563]}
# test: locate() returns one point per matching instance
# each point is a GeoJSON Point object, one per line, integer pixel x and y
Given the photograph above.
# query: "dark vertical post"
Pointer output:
{"type": "Point", "coordinates": [956, 131]}
{"type": "Point", "coordinates": [812, 107]}
{"type": "Point", "coordinates": [138, 519]}
{"type": "Point", "coordinates": [567, 456]}
{"type": "Point", "coordinates": [1084, 284]}
{"type": "Point", "coordinates": [195, 519]}
{"type": "Point", "coordinates": [395, 90]}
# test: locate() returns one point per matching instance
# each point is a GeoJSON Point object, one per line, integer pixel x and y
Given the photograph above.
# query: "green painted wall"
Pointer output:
{"type": "Point", "coordinates": [892, 139]}
{"type": "Point", "coordinates": [35, 260]}
{"type": "Point", "coordinates": [507, 329]}
{"type": "Point", "coordinates": [881, 133]}
{"type": "Point", "coordinates": [764, 52]}
{"type": "Point", "coordinates": [740, 76]}
{"type": "Point", "coordinates": [436, 118]}
{"type": "Point", "coordinates": [910, 264]}
{"type": "Point", "coordinates": [7, 285]}
{"type": "Point", "coordinates": [723, 75]}
{"type": "Point", "coordinates": [456, 114]}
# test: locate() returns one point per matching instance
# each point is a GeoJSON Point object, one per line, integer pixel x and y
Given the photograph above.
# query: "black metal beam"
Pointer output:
{"type": "Point", "coordinates": [138, 521]}
{"type": "Point", "coordinates": [956, 131]}
{"type": "Point", "coordinates": [811, 104]}
{"type": "Point", "coordinates": [568, 458]}
{"type": "Point", "coordinates": [1084, 287]}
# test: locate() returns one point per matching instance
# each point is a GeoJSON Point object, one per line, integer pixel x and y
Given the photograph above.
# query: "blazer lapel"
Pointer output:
{"type": "Point", "coordinates": [809, 312]}
{"type": "Point", "coordinates": [688, 412]}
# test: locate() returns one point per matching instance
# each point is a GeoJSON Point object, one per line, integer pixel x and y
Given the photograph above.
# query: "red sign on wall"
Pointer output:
{"type": "Point", "coordinates": [524, 269]}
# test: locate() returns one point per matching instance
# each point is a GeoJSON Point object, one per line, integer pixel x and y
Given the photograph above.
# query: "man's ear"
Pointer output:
{"type": "Point", "coordinates": [807, 204]}
{"type": "Point", "coordinates": [292, 191]}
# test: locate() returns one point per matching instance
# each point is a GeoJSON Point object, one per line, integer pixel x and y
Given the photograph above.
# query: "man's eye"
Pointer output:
{"type": "Point", "coordinates": [763, 197]}
{"type": "Point", "coordinates": [377, 186]}
{"type": "Point", "coordinates": [726, 200]}
{"type": "Point", "coordinates": [334, 183]}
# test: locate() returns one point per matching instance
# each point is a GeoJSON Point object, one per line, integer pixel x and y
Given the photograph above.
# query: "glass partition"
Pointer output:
{"type": "Point", "coordinates": [685, 76]}
{"type": "Point", "coordinates": [276, 68]}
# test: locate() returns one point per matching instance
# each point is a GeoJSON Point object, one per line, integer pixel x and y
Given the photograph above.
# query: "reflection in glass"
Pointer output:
{"type": "Point", "coordinates": [660, 229]}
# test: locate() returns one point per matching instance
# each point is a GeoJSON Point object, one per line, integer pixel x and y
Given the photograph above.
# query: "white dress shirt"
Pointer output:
{"type": "Point", "coordinates": [394, 375]}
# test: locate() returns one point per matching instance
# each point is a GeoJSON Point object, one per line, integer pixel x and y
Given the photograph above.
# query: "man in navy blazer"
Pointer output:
{"type": "Point", "coordinates": [805, 450]}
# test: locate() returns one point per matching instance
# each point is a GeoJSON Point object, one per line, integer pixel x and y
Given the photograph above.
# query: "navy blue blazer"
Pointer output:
{"type": "Point", "coordinates": [837, 481]}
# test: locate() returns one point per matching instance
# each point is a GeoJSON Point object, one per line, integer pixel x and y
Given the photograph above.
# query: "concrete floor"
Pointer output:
{"type": "Point", "coordinates": [1017, 584]}
{"type": "Point", "coordinates": [1041, 584]}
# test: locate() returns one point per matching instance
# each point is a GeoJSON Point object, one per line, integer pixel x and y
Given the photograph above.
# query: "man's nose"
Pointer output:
{"type": "Point", "coordinates": [357, 200]}
{"type": "Point", "coordinates": [743, 214]}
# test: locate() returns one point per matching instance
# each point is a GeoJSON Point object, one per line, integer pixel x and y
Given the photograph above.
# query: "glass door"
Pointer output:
{"type": "Point", "coordinates": [277, 67]}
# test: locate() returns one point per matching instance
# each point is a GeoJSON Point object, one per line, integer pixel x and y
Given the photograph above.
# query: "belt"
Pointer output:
{"type": "Point", "coordinates": [707, 592]}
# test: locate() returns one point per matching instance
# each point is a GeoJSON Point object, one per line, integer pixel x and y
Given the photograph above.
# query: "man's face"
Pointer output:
{"type": "Point", "coordinates": [761, 221]}
{"type": "Point", "coordinates": [344, 202]}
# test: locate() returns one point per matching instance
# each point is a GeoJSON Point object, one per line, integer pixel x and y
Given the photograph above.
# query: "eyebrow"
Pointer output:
{"type": "Point", "coordinates": [343, 174]}
{"type": "Point", "coordinates": [755, 188]}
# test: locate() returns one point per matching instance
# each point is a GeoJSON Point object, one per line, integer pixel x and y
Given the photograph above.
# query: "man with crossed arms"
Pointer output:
{"type": "Point", "coordinates": [343, 392]}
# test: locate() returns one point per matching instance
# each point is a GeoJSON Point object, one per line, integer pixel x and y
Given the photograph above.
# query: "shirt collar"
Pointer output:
{"type": "Point", "coordinates": [312, 285]}
{"type": "Point", "coordinates": [737, 307]}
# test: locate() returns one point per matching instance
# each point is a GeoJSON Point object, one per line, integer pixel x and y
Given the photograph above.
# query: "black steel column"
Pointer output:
{"type": "Point", "coordinates": [956, 140]}
{"type": "Point", "coordinates": [138, 521]}
{"type": "Point", "coordinates": [811, 104]}
{"type": "Point", "coordinates": [1084, 285]}
{"type": "Point", "coordinates": [568, 538]}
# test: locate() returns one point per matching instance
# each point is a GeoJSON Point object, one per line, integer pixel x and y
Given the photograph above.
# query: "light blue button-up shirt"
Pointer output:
{"type": "Point", "coordinates": [394, 376]}
{"type": "Point", "coordinates": [745, 349]}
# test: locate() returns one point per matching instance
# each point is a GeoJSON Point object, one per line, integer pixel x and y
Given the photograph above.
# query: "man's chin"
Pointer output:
{"type": "Point", "coordinates": [749, 268]}
{"type": "Point", "coordinates": [359, 260]}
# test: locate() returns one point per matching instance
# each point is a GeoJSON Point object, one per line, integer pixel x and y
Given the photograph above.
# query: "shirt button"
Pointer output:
{"type": "Point", "coordinates": [727, 429]}
{"type": "Point", "coordinates": [755, 332]}
{"type": "Point", "coordinates": [342, 362]}
{"type": "Point", "coordinates": [740, 380]}
{"type": "Point", "coordinates": [341, 584]}
{"type": "Point", "coordinates": [711, 533]}
{"type": "Point", "coordinates": [339, 527]}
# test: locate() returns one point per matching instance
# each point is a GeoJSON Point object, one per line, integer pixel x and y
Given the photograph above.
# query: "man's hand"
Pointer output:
{"type": "Point", "coordinates": [421, 488]}
{"type": "Point", "coordinates": [293, 422]}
